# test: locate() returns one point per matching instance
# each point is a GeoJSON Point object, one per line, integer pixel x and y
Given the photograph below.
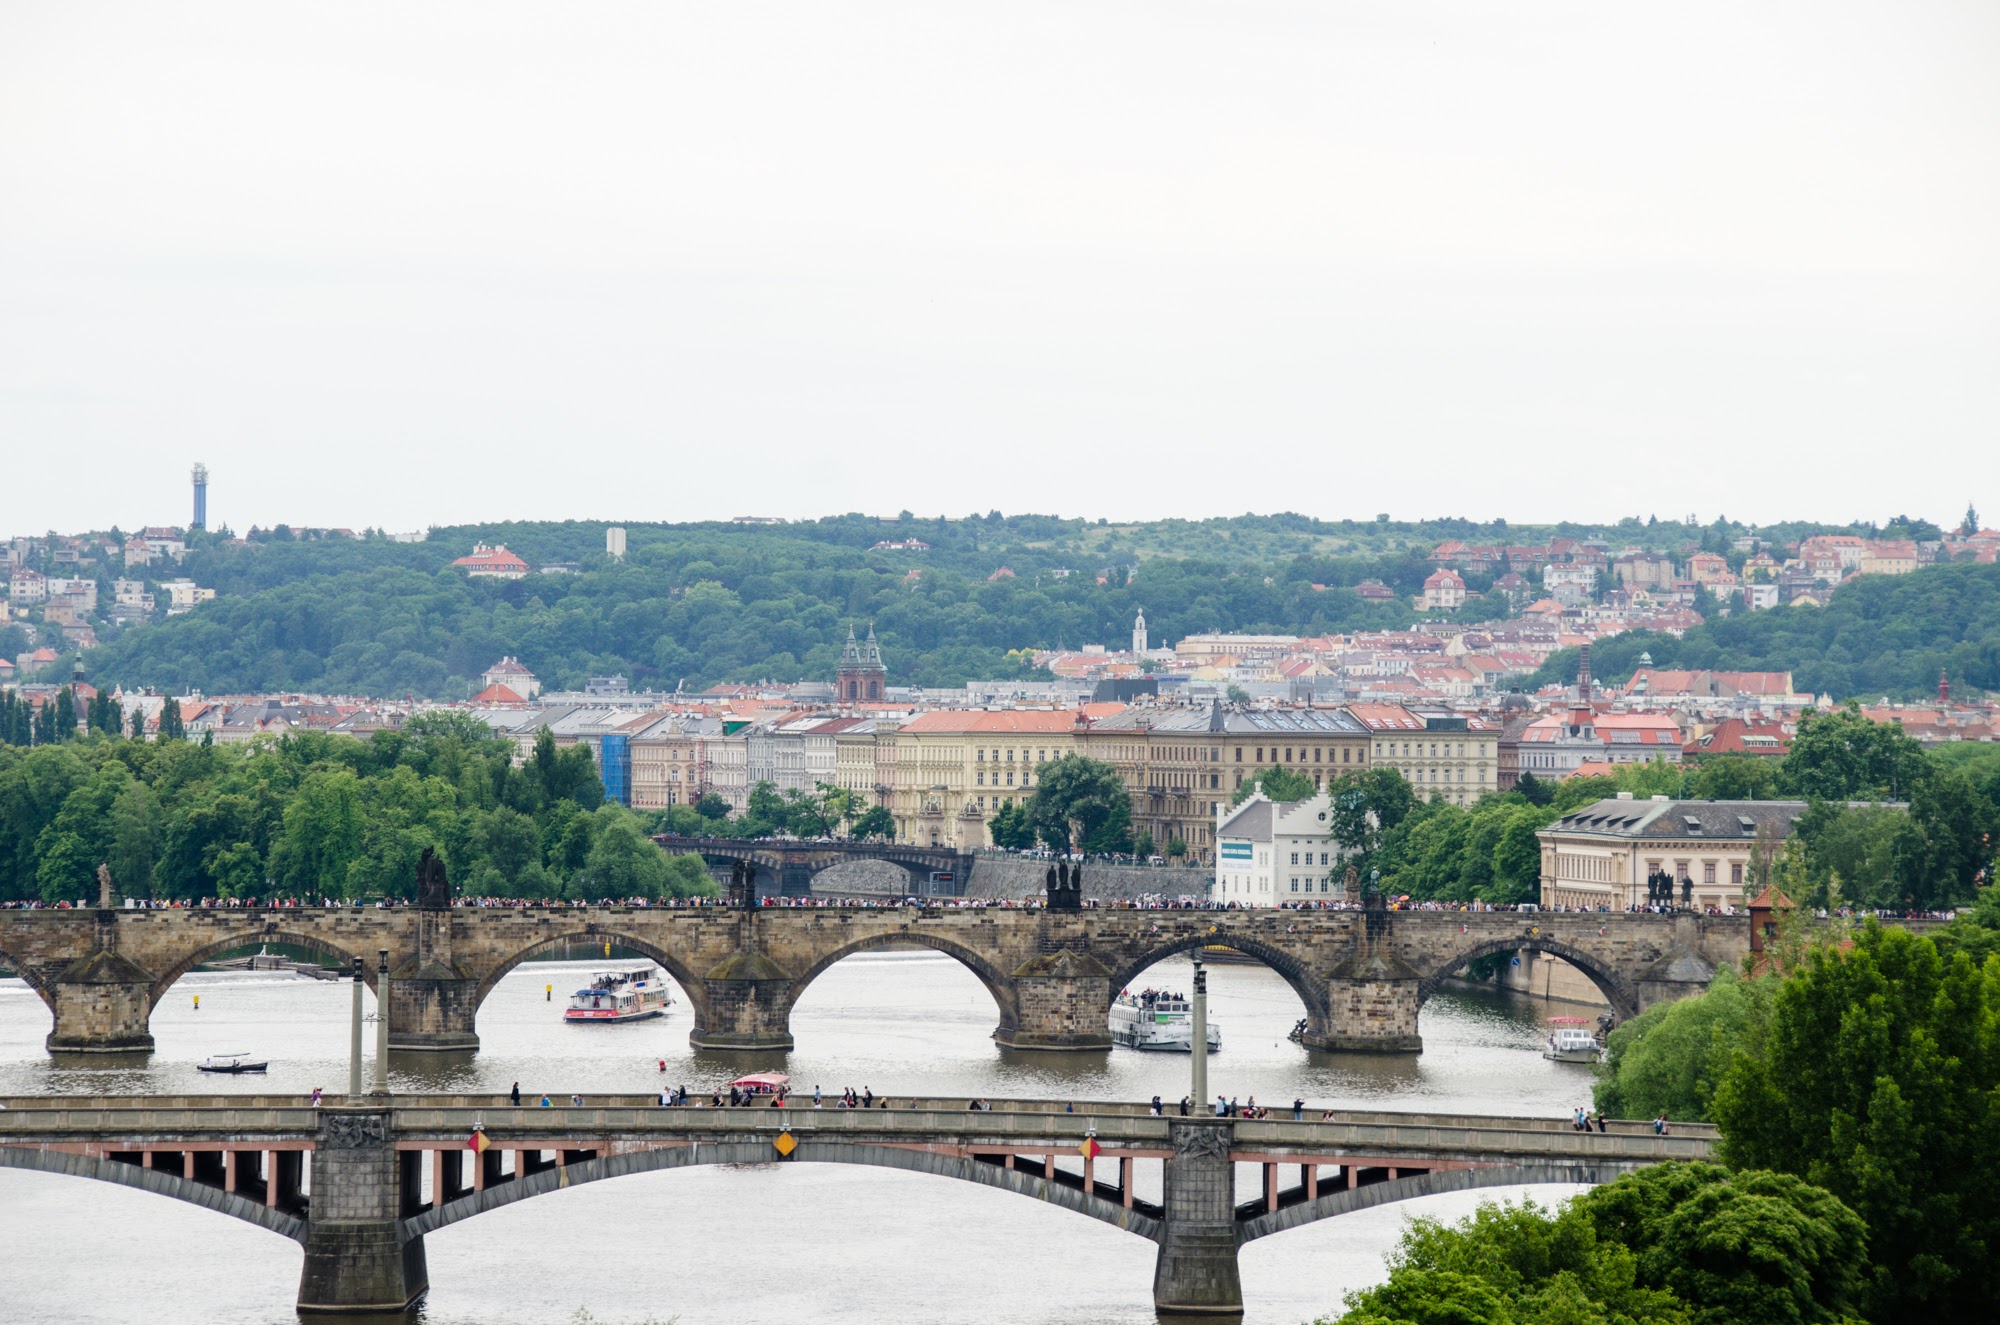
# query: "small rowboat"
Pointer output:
{"type": "Point", "coordinates": [232, 1064]}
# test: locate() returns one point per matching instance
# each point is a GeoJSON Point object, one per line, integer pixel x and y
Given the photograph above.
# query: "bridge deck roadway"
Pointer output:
{"type": "Point", "coordinates": [426, 1122]}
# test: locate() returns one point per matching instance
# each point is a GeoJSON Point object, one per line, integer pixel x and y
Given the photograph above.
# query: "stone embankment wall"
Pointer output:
{"type": "Point", "coordinates": [1545, 977]}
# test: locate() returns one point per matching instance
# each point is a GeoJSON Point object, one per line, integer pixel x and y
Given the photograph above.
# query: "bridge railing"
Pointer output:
{"type": "Point", "coordinates": [1132, 1126]}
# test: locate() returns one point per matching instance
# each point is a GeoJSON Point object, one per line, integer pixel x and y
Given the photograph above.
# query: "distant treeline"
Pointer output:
{"type": "Point", "coordinates": [722, 602]}
{"type": "Point", "coordinates": [1880, 635]}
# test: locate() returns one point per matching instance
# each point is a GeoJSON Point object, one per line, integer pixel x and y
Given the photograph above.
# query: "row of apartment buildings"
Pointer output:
{"type": "Point", "coordinates": [945, 773]}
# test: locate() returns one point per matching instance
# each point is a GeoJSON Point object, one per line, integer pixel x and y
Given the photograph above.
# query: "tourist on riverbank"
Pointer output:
{"type": "Point", "coordinates": [514, 1095]}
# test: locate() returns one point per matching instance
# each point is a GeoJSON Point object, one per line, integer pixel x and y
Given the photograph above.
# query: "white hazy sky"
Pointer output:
{"type": "Point", "coordinates": [398, 264]}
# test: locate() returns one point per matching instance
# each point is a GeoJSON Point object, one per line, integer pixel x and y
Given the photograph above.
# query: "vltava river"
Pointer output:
{"type": "Point", "coordinates": [839, 1244]}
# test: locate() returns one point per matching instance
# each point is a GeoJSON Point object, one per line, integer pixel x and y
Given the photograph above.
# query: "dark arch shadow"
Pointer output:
{"type": "Point", "coordinates": [28, 978]}
{"type": "Point", "coordinates": [1311, 992]}
{"type": "Point", "coordinates": [1436, 1183]}
{"type": "Point", "coordinates": [313, 943]}
{"type": "Point", "coordinates": [1618, 991]}
{"type": "Point", "coordinates": [808, 1152]}
{"type": "Point", "coordinates": [158, 1182]}
{"type": "Point", "coordinates": [997, 983]}
{"type": "Point", "coordinates": [690, 983]}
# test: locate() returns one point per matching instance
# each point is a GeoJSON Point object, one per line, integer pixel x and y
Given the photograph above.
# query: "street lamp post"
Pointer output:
{"type": "Point", "coordinates": [354, 1039]}
{"type": "Point", "coordinates": [382, 1022]}
{"type": "Point", "coordinates": [1200, 1028]}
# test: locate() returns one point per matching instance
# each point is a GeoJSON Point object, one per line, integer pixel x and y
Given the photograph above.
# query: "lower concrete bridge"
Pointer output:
{"type": "Point", "coordinates": [359, 1183]}
{"type": "Point", "coordinates": [1361, 977]}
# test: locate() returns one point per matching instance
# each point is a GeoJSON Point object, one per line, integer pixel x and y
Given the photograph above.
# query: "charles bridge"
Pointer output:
{"type": "Point", "coordinates": [359, 1183]}
{"type": "Point", "coordinates": [1361, 976]}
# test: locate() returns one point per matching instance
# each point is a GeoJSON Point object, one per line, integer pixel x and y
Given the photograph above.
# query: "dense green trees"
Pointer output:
{"type": "Point", "coordinates": [315, 815]}
{"type": "Point", "coordinates": [1879, 1079]}
{"type": "Point", "coordinates": [1669, 1059]}
{"type": "Point", "coordinates": [1080, 804]}
{"type": "Point", "coordinates": [1880, 635]}
{"type": "Point", "coordinates": [707, 602]}
{"type": "Point", "coordinates": [1278, 784]}
{"type": "Point", "coordinates": [1676, 1244]}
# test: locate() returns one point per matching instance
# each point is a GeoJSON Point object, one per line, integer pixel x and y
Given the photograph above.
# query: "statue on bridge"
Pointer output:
{"type": "Point", "coordinates": [1064, 887]}
{"type": "Point", "coordinates": [433, 889]}
{"type": "Point", "coordinates": [105, 900]}
{"type": "Point", "coordinates": [1350, 886]}
{"type": "Point", "coordinates": [743, 884]}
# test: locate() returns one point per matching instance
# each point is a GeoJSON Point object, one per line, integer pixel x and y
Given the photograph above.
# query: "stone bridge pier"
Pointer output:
{"type": "Point", "coordinates": [360, 1256]}
{"type": "Point", "coordinates": [1195, 1272]}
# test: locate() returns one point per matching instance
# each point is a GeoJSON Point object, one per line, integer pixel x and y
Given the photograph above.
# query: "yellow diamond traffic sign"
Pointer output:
{"type": "Point", "coordinates": [785, 1144]}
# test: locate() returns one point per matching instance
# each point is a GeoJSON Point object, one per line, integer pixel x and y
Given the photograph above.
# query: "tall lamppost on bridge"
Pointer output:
{"type": "Point", "coordinates": [1200, 1046]}
{"type": "Point", "coordinates": [354, 1039]}
{"type": "Point", "coordinates": [382, 1022]}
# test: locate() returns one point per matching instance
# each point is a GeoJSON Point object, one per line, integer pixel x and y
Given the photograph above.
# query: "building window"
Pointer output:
{"type": "Point", "coordinates": [1295, 858]}
{"type": "Point", "coordinates": [1708, 873]}
{"type": "Point", "coordinates": [1736, 874]}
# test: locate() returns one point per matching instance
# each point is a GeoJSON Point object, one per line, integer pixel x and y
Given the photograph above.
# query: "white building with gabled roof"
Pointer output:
{"type": "Point", "coordinates": [1270, 853]}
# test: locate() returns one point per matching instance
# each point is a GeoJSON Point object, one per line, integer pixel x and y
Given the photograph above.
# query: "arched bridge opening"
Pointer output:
{"type": "Point", "coordinates": [255, 941]}
{"type": "Point", "coordinates": [1292, 970]}
{"type": "Point", "coordinates": [915, 940]}
{"type": "Point", "coordinates": [1617, 990]}
{"type": "Point", "coordinates": [263, 1188]}
{"type": "Point", "coordinates": [692, 992]}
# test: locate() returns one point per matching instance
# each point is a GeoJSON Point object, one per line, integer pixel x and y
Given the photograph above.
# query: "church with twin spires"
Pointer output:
{"type": "Point", "coordinates": [861, 677]}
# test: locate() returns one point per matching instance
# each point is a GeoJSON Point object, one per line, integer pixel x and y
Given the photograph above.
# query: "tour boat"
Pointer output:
{"type": "Point", "coordinates": [231, 1063]}
{"type": "Point", "coordinates": [763, 1083]}
{"type": "Point", "coordinates": [1154, 1019]}
{"type": "Point", "coordinates": [1571, 1043]}
{"type": "Point", "coordinates": [620, 996]}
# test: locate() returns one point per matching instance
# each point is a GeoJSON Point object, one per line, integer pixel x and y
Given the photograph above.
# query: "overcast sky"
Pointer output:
{"type": "Point", "coordinates": [401, 264]}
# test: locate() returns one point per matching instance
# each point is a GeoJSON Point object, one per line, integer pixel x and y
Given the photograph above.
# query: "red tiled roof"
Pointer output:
{"type": "Point", "coordinates": [497, 694]}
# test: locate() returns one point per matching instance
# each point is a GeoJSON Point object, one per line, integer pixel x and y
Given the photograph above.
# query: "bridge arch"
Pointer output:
{"type": "Point", "coordinates": [689, 981]}
{"type": "Point", "coordinates": [28, 977]}
{"type": "Point", "coordinates": [157, 1181]}
{"type": "Point", "coordinates": [1311, 990]}
{"type": "Point", "coordinates": [250, 938]}
{"type": "Point", "coordinates": [914, 1160]}
{"type": "Point", "coordinates": [1617, 990]}
{"type": "Point", "coordinates": [1437, 1182]}
{"type": "Point", "coordinates": [997, 983]}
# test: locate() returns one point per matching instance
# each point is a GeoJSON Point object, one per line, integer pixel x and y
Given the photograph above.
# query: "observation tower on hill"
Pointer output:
{"type": "Point", "coordinates": [200, 520]}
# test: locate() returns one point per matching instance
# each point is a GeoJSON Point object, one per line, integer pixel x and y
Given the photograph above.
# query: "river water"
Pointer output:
{"type": "Point", "coordinates": [841, 1244]}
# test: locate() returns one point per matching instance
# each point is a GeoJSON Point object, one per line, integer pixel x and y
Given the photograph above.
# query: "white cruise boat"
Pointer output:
{"type": "Point", "coordinates": [1570, 1045]}
{"type": "Point", "coordinates": [1155, 1019]}
{"type": "Point", "coordinates": [620, 996]}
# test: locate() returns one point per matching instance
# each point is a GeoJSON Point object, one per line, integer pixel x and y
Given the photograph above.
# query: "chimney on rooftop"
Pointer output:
{"type": "Point", "coordinates": [1583, 674]}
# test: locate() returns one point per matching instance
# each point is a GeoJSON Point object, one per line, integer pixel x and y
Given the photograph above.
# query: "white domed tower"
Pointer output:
{"type": "Point", "coordinates": [1139, 633]}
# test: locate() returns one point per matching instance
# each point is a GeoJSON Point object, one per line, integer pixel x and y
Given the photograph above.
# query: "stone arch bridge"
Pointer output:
{"type": "Point", "coordinates": [787, 868]}
{"type": "Point", "coordinates": [1361, 976]}
{"type": "Point", "coordinates": [360, 1183]}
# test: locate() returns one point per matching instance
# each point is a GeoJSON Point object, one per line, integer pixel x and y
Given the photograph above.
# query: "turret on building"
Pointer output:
{"type": "Point", "coordinates": [861, 676]}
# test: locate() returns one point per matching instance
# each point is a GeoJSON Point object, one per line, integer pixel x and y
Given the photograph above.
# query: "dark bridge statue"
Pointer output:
{"type": "Point", "coordinates": [382, 1172]}
{"type": "Point", "coordinates": [788, 867]}
{"type": "Point", "coordinates": [1362, 975]}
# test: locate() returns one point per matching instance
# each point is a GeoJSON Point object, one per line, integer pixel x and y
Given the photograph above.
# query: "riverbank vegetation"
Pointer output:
{"type": "Point", "coordinates": [313, 816]}
{"type": "Point", "coordinates": [1857, 1093]}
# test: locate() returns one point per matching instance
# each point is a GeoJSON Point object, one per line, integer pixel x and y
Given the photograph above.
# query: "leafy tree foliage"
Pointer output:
{"type": "Point", "coordinates": [1676, 1244]}
{"type": "Point", "coordinates": [1278, 784]}
{"type": "Point", "coordinates": [1879, 635]}
{"type": "Point", "coordinates": [1880, 1081]}
{"type": "Point", "coordinates": [315, 815]}
{"type": "Point", "coordinates": [1081, 804]}
{"type": "Point", "coordinates": [1668, 1059]}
